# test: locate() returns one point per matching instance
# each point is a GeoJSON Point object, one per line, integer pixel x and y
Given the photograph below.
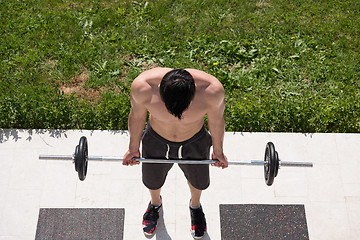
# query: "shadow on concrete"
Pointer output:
{"type": "Point", "coordinates": [161, 232]}
{"type": "Point", "coordinates": [14, 134]}
{"type": "Point", "coordinates": [113, 132]}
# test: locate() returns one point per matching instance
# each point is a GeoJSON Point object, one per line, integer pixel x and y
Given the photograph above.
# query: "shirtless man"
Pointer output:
{"type": "Point", "coordinates": [177, 101]}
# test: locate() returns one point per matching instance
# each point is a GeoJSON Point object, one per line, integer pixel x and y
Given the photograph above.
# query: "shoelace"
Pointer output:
{"type": "Point", "coordinates": [198, 216]}
{"type": "Point", "coordinates": [152, 214]}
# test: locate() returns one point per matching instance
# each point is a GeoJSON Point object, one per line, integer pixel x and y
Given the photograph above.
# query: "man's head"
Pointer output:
{"type": "Point", "coordinates": [177, 90]}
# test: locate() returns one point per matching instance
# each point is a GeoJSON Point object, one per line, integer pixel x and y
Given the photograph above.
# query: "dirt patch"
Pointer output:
{"type": "Point", "coordinates": [77, 88]}
{"type": "Point", "coordinates": [262, 4]}
{"type": "Point", "coordinates": [78, 82]}
{"type": "Point", "coordinates": [51, 63]}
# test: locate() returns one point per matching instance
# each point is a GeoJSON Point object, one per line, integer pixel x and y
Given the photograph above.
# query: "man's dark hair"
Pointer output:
{"type": "Point", "coordinates": [177, 90]}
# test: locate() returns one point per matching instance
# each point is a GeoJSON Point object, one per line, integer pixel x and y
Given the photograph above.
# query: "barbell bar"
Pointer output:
{"type": "Point", "coordinates": [271, 161]}
{"type": "Point", "coordinates": [189, 161]}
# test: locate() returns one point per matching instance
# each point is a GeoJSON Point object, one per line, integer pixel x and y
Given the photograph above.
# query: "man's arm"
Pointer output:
{"type": "Point", "coordinates": [216, 124]}
{"type": "Point", "coordinates": [215, 99]}
{"type": "Point", "coordinates": [136, 120]}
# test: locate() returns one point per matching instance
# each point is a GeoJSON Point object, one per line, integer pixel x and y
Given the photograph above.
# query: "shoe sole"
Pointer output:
{"type": "Point", "coordinates": [149, 235]}
{"type": "Point", "coordinates": [196, 238]}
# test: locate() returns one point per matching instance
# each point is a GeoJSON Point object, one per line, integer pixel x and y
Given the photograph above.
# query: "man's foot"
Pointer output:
{"type": "Point", "coordinates": [198, 222]}
{"type": "Point", "coordinates": [150, 219]}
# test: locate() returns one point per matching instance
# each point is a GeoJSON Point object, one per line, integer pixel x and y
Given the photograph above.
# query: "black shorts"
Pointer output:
{"type": "Point", "coordinates": [157, 147]}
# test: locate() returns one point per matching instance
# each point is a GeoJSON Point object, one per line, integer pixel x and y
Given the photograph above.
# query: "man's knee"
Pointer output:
{"type": "Point", "coordinates": [154, 174]}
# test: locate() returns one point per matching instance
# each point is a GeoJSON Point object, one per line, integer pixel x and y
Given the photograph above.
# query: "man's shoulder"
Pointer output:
{"type": "Point", "coordinates": [147, 78]}
{"type": "Point", "coordinates": [141, 89]}
{"type": "Point", "coordinates": [143, 85]}
{"type": "Point", "coordinates": [205, 79]}
{"type": "Point", "coordinates": [214, 93]}
{"type": "Point", "coordinates": [140, 84]}
{"type": "Point", "coordinates": [154, 73]}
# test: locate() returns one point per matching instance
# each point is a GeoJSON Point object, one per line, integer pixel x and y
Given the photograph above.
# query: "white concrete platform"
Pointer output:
{"type": "Point", "coordinates": [330, 190]}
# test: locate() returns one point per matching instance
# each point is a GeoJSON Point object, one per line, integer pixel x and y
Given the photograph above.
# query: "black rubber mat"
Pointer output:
{"type": "Point", "coordinates": [80, 223]}
{"type": "Point", "coordinates": [258, 221]}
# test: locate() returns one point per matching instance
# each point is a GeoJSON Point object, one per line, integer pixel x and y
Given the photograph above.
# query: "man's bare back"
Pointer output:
{"type": "Point", "coordinates": [164, 123]}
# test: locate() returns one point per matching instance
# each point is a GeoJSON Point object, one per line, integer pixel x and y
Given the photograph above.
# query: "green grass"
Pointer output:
{"type": "Point", "coordinates": [286, 65]}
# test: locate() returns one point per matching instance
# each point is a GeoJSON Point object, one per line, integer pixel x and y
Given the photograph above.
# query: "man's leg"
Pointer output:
{"type": "Point", "coordinates": [198, 221]}
{"type": "Point", "coordinates": [195, 196]}
{"type": "Point", "coordinates": [155, 196]}
{"type": "Point", "coordinates": [151, 215]}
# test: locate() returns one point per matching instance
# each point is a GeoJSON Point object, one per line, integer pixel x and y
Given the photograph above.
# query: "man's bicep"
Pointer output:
{"type": "Point", "coordinates": [216, 111]}
{"type": "Point", "coordinates": [138, 108]}
{"type": "Point", "coordinates": [217, 103]}
{"type": "Point", "coordinates": [138, 96]}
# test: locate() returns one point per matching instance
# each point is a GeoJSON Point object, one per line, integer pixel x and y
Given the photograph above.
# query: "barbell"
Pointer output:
{"type": "Point", "coordinates": [271, 161]}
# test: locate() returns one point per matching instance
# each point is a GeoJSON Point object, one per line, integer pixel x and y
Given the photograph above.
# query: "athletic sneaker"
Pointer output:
{"type": "Point", "coordinates": [150, 219]}
{"type": "Point", "coordinates": [198, 223]}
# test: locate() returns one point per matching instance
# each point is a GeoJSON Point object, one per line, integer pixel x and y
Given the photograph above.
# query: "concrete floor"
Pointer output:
{"type": "Point", "coordinates": [330, 191]}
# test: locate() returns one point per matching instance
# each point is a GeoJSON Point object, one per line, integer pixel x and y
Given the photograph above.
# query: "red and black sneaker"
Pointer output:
{"type": "Point", "coordinates": [150, 219]}
{"type": "Point", "coordinates": [198, 223]}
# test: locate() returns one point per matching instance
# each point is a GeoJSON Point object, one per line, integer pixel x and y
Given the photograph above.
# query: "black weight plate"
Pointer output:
{"type": "Point", "coordinates": [83, 158]}
{"type": "Point", "coordinates": [277, 163]}
{"type": "Point", "coordinates": [270, 163]}
{"type": "Point", "coordinates": [76, 156]}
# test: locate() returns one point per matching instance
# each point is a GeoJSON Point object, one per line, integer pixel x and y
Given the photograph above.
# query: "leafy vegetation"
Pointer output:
{"type": "Point", "coordinates": [285, 65]}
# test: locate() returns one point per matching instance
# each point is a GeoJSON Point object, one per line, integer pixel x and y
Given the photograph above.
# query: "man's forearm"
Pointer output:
{"type": "Point", "coordinates": [136, 125]}
{"type": "Point", "coordinates": [217, 130]}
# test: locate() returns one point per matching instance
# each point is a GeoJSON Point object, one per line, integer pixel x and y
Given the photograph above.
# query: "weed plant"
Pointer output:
{"type": "Point", "coordinates": [289, 66]}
